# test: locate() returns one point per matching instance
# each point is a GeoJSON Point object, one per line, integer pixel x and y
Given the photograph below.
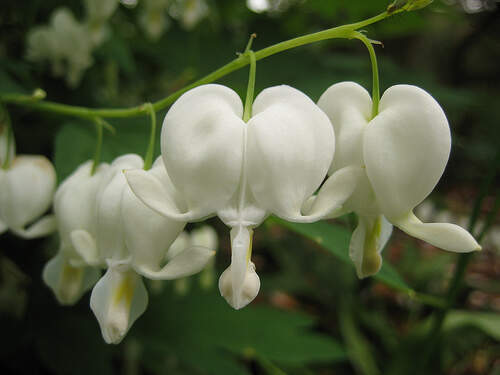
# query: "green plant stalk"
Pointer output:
{"type": "Point", "coordinates": [148, 159]}
{"type": "Point", "coordinates": [251, 87]}
{"type": "Point", "coordinates": [98, 148]}
{"type": "Point", "coordinates": [344, 31]}
{"type": "Point", "coordinates": [4, 115]}
{"type": "Point", "coordinates": [373, 59]}
{"type": "Point", "coordinates": [463, 261]}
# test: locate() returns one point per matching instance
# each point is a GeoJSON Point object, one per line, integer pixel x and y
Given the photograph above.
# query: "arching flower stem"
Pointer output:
{"type": "Point", "coordinates": [148, 159]}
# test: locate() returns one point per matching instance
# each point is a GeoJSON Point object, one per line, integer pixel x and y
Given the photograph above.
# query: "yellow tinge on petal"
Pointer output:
{"type": "Point", "coordinates": [70, 283]}
{"type": "Point", "coordinates": [372, 260]}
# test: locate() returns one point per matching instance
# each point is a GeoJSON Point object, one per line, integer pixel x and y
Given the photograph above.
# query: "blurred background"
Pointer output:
{"type": "Point", "coordinates": [312, 316]}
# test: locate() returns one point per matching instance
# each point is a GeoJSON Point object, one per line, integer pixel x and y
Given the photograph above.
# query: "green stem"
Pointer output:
{"type": "Point", "coordinates": [148, 159]}
{"type": "Point", "coordinates": [83, 112]}
{"type": "Point", "coordinates": [5, 118]}
{"type": "Point", "coordinates": [251, 87]}
{"type": "Point", "coordinates": [98, 148]}
{"type": "Point", "coordinates": [373, 58]}
{"type": "Point", "coordinates": [463, 260]}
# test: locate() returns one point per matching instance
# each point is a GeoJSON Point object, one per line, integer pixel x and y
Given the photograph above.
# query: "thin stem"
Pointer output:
{"type": "Point", "coordinates": [251, 87]}
{"type": "Point", "coordinates": [5, 118]}
{"type": "Point", "coordinates": [373, 58]}
{"type": "Point", "coordinates": [148, 159]}
{"type": "Point", "coordinates": [83, 112]}
{"type": "Point", "coordinates": [250, 41]}
{"type": "Point", "coordinates": [463, 261]}
{"type": "Point", "coordinates": [98, 148]}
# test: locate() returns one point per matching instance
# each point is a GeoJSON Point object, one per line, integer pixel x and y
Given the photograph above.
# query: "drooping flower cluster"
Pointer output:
{"type": "Point", "coordinates": [292, 158]}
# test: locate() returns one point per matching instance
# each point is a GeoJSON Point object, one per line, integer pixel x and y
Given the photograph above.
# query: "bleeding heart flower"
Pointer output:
{"type": "Point", "coordinates": [403, 151]}
{"type": "Point", "coordinates": [219, 165]}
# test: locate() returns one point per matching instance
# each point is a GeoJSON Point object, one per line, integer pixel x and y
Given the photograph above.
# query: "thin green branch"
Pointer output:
{"type": "Point", "coordinates": [373, 58]}
{"type": "Point", "coordinates": [251, 86]}
{"type": "Point", "coordinates": [148, 159]}
{"type": "Point", "coordinates": [83, 112]}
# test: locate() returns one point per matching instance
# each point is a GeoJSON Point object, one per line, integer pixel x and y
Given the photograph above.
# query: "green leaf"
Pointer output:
{"type": "Point", "coordinates": [335, 239]}
{"type": "Point", "coordinates": [488, 322]}
{"type": "Point", "coordinates": [202, 322]}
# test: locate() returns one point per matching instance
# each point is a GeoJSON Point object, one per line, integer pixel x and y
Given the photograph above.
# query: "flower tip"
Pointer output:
{"type": "Point", "coordinates": [372, 261]}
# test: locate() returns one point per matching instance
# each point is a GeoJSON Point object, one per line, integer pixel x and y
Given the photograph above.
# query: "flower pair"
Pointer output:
{"type": "Point", "coordinates": [103, 225]}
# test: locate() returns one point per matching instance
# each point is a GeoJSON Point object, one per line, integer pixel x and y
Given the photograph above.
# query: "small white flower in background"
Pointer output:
{"type": "Point", "coordinates": [403, 152]}
{"type": "Point", "coordinates": [27, 185]}
{"type": "Point", "coordinates": [57, 42]}
{"type": "Point", "coordinates": [97, 14]}
{"type": "Point", "coordinates": [153, 17]}
{"type": "Point", "coordinates": [189, 12]}
{"type": "Point", "coordinates": [68, 274]}
{"type": "Point", "coordinates": [132, 241]}
{"type": "Point", "coordinates": [242, 172]}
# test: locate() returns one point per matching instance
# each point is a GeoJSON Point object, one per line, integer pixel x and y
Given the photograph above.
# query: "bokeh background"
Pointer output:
{"type": "Point", "coordinates": [312, 316]}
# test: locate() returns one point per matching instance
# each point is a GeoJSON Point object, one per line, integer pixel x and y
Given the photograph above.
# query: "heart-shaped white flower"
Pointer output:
{"type": "Point", "coordinates": [242, 172]}
{"type": "Point", "coordinates": [403, 151]}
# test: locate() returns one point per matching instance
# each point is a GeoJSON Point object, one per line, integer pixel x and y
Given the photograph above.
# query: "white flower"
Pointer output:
{"type": "Point", "coordinates": [26, 190]}
{"type": "Point", "coordinates": [242, 172]}
{"type": "Point", "coordinates": [98, 13]}
{"type": "Point", "coordinates": [189, 12]}
{"type": "Point", "coordinates": [153, 18]}
{"type": "Point", "coordinates": [403, 152]}
{"type": "Point", "coordinates": [68, 274]}
{"type": "Point", "coordinates": [132, 240]}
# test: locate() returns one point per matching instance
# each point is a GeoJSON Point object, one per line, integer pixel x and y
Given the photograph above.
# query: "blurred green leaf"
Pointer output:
{"type": "Point", "coordinates": [202, 330]}
{"type": "Point", "coordinates": [336, 240]}
{"type": "Point", "coordinates": [488, 322]}
{"type": "Point", "coordinates": [358, 347]}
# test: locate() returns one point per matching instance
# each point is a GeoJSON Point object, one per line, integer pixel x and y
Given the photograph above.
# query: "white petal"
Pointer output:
{"type": "Point", "coordinates": [249, 290]}
{"type": "Point", "coordinates": [110, 231]}
{"type": "Point", "coordinates": [117, 300]}
{"type": "Point", "coordinates": [85, 246]}
{"type": "Point", "coordinates": [149, 189]}
{"type": "Point", "coordinates": [67, 282]}
{"type": "Point", "coordinates": [27, 190]}
{"type": "Point", "coordinates": [446, 236]}
{"type": "Point", "coordinates": [148, 235]}
{"type": "Point", "coordinates": [181, 243]}
{"type": "Point", "coordinates": [348, 106]}
{"type": "Point", "coordinates": [43, 227]}
{"type": "Point", "coordinates": [3, 227]}
{"type": "Point", "coordinates": [367, 242]}
{"type": "Point", "coordinates": [332, 195]}
{"type": "Point", "coordinates": [202, 146]}
{"type": "Point", "coordinates": [187, 263]}
{"type": "Point", "coordinates": [406, 148]}
{"type": "Point", "coordinates": [289, 150]}
{"type": "Point", "coordinates": [75, 203]}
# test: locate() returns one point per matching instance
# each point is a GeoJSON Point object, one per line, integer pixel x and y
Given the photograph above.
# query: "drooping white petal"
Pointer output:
{"type": "Point", "coordinates": [200, 142]}
{"type": "Point", "coordinates": [348, 106]}
{"type": "Point", "coordinates": [186, 263]}
{"type": "Point", "coordinates": [249, 290]}
{"type": "Point", "coordinates": [117, 300]}
{"type": "Point", "coordinates": [148, 235]}
{"type": "Point", "coordinates": [27, 190]}
{"type": "Point", "coordinates": [290, 147]}
{"type": "Point", "coordinates": [68, 283]}
{"type": "Point", "coordinates": [332, 195]}
{"type": "Point", "coordinates": [446, 236]}
{"type": "Point", "coordinates": [367, 242]}
{"type": "Point", "coordinates": [42, 227]}
{"type": "Point", "coordinates": [110, 231]}
{"type": "Point", "coordinates": [406, 148]}
{"type": "Point", "coordinates": [181, 243]}
{"type": "Point", "coordinates": [85, 246]}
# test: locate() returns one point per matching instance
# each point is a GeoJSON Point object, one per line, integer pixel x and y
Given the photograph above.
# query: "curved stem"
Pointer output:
{"type": "Point", "coordinates": [148, 159]}
{"type": "Point", "coordinates": [373, 58]}
{"type": "Point", "coordinates": [251, 87]}
{"type": "Point", "coordinates": [344, 31]}
{"type": "Point", "coordinates": [98, 148]}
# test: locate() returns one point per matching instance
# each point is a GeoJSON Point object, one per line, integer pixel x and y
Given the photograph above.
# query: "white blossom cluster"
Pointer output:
{"type": "Point", "coordinates": [293, 158]}
{"type": "Point", "coordinates": [68, 43]}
